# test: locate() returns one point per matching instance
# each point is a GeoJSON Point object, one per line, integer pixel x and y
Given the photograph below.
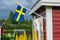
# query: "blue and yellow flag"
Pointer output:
{"type": "Point", "coordinates": [19, 14]}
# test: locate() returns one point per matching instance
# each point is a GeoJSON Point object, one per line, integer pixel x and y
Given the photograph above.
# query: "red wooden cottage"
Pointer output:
{"type": "Point", "coordinates": [49, 11]}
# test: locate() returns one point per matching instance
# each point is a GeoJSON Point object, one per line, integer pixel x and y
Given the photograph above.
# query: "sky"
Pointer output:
{"type": "Point", "coordinates": [6, 6]}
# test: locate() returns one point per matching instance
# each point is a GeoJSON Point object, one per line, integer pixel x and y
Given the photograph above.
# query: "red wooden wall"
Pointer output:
{"type": "Point", "coordinates": [44, 29]}
{"type": "Point", "coordinates": [2, 30]}
{"type": "Point", "coordinates": [56, 23]}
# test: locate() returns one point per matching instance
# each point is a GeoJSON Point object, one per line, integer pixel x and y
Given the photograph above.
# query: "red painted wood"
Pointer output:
{"type": "Point", "coordinates": [56, 23]}
{"type": "Point", "coordinates": [56, 27]}
{"type": "Point", "coordinates": [56, 35]}
{"type": "Point", "coordinates": [2, 30]}
{"type": "Point", "coordinates": [56, 38]}
{"type": "Point", "coordinates": [44, 29]}
{"type": "Point", "coordinates": [56, 18]}
{"type": "Point", "coordinates": [56, 30]}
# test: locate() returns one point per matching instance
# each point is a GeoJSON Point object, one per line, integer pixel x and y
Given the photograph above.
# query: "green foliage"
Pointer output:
{"type": "Point", "coordinates": [10, 24]}
{"type": "Point", "coordinates": [5, 37]}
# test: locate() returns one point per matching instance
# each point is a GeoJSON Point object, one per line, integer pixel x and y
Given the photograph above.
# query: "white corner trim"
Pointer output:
{"type": "Point", "coordinates": [51, 3]}
{"type": "Point", "coordinates": [49, 27]}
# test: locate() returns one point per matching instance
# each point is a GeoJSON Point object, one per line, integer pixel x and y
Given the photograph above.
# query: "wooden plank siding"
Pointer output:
{"type": "Point", "coordinates": [56, 23]}
{"type": "Point", "coordinates": [44, 29]}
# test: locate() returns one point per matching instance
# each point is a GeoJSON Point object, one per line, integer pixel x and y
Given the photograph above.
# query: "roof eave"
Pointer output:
{"type": "Point", "coordinates": [41, 3]}
{"type": "Point", "coordinates": [51, 3]}
{"type": "Point", "coordinates": [35, 7]}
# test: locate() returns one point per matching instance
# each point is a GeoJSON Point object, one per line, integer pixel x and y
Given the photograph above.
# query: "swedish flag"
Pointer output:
{"type": "Point", "coordinates": [19, 14]}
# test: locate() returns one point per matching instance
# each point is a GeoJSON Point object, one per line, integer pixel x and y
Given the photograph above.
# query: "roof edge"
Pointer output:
{"type": "Point", "coordinates": [36, 7]}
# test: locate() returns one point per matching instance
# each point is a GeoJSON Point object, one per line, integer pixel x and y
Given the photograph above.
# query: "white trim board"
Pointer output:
{"type": "Point", "coordinates": [49, 23]}
{"type": "Point", "coordinates": [51, 3]}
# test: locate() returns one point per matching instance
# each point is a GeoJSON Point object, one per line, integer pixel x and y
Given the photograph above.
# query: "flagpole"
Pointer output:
{"type": "Point", "coordinates": [30, 10]}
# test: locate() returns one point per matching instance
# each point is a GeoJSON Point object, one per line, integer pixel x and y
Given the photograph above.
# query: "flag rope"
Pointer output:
{"type": "Point", "coordinates": [31, 11]}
